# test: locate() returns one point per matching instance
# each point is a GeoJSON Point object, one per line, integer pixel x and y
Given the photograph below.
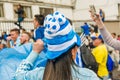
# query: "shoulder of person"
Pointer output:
{"type": "Point", "coordinates": [41, 28]}
{"type": "Point", "coordinates": [87, 72]}
{"type": "Point", "coordinates": [103, 46]}
{"type": "Point", "coordinates": [39, 70]}
{"type": "Point", "coordinates": [38, 73]}
{"type": "Point", "coordinates": [84, 73]}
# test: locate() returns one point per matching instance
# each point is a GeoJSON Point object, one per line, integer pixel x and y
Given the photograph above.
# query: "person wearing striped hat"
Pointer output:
{"type": "Point", "coordinates": [62, 44]}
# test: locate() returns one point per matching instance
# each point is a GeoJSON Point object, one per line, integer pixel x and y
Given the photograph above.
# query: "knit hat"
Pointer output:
{"type": "Point", "coordinates": [59, 35]}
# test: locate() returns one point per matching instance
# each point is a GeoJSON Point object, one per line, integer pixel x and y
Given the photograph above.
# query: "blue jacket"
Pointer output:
{"type": "Point", "coordinates": [25, 72]}
{"type": "Point", "coordinates": [39, 33]}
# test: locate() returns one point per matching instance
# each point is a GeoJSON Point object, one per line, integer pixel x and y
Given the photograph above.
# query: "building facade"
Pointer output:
{"type": "Point", "coordinates": [110, 7]}
{"type": "Point", "coordinates": [31, 7]}
{"type": "Point", "coordinates": [76, 10]}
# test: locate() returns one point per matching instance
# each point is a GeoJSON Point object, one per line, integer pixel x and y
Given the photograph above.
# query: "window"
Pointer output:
{"type": "Point", "coordinates": [119, 10]}
{"type": "Point", "coordinates": [40, 0]}
{"type": "Point", "coordinates": [24, 0]}
{"type": "Point", "coordinates": [46, 11]}
{"type": "Point", "coordinates": [31, 0]}
{"type": "Point", "coordinates": [1, 11]}
{"type": "Point", "coordinates": [27, 10]}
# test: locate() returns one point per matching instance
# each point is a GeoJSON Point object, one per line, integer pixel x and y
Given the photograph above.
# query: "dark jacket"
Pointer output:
{"type": "Point", "coordinates": [20, 12]}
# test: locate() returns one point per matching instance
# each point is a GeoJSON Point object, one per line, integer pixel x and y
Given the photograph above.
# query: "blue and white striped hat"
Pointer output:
{"type": "Point", "coordinates": [59, 35]}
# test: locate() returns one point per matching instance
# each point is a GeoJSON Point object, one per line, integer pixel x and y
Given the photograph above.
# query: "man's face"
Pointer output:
{"type": "Point", "coordinates": [24, 38]}
{"type": "Point", "coordinates": [14, 35]}
{"type": "Point", "coordinates": [97, 42]}
{"type": "Point", "coordinates": [36, 24]}
{"type": "Point", "coordinates": [114, 36]}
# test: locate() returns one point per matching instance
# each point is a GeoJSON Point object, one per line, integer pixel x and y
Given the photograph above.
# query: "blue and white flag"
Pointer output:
{"type": "Point", "coordinates": [10, 59]}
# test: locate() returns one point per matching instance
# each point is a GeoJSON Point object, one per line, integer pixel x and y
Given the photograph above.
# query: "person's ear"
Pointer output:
{"type": "Point", "coordinates": [74, 51]}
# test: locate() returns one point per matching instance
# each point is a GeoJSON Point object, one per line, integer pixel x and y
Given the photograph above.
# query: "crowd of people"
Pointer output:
{"type": "Point", "coordinates": [18, 37]}
{"type": "Point", "coordinates": [100, 49]}
{"type": "Point", "coordinates": [53, 35]}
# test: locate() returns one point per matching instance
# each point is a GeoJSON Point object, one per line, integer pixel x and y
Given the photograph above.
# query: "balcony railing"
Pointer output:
{"type": "Point", "coordinates": [8, 25]}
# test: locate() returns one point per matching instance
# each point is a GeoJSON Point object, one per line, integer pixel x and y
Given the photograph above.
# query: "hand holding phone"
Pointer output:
{"type": "Point", "coordinates": [92, 9]}
{"type": "Point", "coordinates": [96, 17]}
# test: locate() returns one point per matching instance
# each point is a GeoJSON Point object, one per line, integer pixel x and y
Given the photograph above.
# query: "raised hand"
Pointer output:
{"type": "Point", "coordinates": [97, 19]}
{"type": "Point", "coordinates": [9, 38]}
{"type": "Point", "coordinates": [38, 46]}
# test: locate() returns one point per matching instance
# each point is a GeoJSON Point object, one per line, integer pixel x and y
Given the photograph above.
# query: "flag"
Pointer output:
{"type": "Point", "coordinates": [10, 59]}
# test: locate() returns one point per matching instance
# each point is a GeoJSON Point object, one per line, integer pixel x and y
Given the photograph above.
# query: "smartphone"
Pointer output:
{"type": "Point", "coordinates": [92, 9]}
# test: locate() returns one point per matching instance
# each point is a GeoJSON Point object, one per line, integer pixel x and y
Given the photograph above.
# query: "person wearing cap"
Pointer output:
{"type": "Point", "coordinates": [100, 53]}
{"type": "Point", "coordinates": [108, 39]}
{"type": "Point", "coordinates": [62, 44]}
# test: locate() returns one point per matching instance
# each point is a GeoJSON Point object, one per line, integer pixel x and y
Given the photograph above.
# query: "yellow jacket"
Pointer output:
{"type": "Point", "coordinates": [100, 53]}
